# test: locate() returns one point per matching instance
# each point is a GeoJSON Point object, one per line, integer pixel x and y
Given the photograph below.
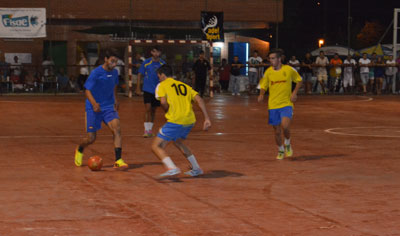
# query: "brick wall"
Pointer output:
{"type": "Point", "coordinates": [180, 10]}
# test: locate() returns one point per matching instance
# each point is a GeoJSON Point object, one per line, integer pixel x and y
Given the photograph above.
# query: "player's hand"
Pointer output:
{"type": "Point", "coordinates": [260, 98]}
{"type": "Point", "coordinates": [293, 98]}
{"type": "Point", "coordinates": [206, 125]}
{"type": "Point", "coordinates": [96, 107]}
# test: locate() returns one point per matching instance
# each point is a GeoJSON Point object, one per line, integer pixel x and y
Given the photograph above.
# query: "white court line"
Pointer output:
{"type": "Point", "coordinates": [331, 131]}
{"type": "Point", "coordinates": [139, 135]}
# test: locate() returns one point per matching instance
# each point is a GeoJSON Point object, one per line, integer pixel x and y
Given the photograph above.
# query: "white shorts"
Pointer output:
{"type": "Point", "coordinates": [347, 79]}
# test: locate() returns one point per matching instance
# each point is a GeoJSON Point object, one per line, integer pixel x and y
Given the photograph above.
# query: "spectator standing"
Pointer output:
{"type": "Point", "coordinates": [235, 76]}
{"type": "Point", "coordinates": [201, 69]}
{"type": "Point", "coordinates": [83, 70]}
{"type": "Point", "coordinates": [364, 64]}
{"type": "Point", "coordinates": [322, 74]}
{"type": "Point", "coordinates": [336, 73]}
{"type": "Point", "coordinates": [16, 67]}
{"type": "Point", "coordinates": [254, 62]}
{"type": "Point", "coordinates": [306, 70]}
{"type": "Point", "coordinates": [348, 75]}
{"type": "Point", "coordinates": [372, 72]}
{"type": "Point", "coordinates": [293, 62]}
{"type": "Point", "coordinates": [379, 74]}
{"type": "Point", "coordinates": [62, 80]}
{"type": "Point", "coordinates": [136, 63]}
{"type": "Point", "coordinates": [390, 73]}
{"type": "Point", "coordinates": [224, 74]}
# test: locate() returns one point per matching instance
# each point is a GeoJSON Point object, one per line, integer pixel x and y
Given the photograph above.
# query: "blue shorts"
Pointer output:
{"type": "Point", "coordinates": [94, 119]}
{"type": "Point", "coordinates": [276, 115]}
{"type": "Point", "coordinates": [171, 131]}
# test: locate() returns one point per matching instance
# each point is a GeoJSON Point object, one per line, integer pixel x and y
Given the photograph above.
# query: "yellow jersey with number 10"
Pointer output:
{"type": "Point", "coordinates": [279, 83]}
{"type": "Point", "coordinates": [179, 97]}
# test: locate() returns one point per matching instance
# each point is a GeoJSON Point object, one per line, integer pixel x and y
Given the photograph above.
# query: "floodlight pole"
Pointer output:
{"type": "Point", "coordinates": [348, 27]}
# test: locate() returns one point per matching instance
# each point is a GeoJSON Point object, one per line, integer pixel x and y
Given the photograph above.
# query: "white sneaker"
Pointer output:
{"type": "Point", "coordinates": [194, 172]}
{"type": "Point", "coordinates": [171, 172]}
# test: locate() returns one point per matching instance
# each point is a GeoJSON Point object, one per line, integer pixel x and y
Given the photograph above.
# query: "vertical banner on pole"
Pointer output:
{"type": "Point", "coordinates": [213, 31]}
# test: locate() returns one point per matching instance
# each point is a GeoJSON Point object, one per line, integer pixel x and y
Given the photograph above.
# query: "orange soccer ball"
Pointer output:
{"type": "Point", "coordinates": [95, 163]}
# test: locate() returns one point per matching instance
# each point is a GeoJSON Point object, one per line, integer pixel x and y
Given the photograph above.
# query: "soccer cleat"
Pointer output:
{"type": "Point", "coordinates": [281, 155]}
{"type": "Point", "coordinates": [148, 134]}
{"type": "Point", "coordinates": [170, 172]}
{"type": "Point", "coordinates": [78, 157]}
{"type": "Point", "coordinates": [120, 165]}
{"type": "Point", "coordinates": [194, 172]}
{"type": "Point", "coordinates": [288, 150]}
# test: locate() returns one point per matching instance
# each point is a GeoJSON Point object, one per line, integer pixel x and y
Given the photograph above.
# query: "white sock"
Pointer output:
{"type": "Point", "coordinates": [287, 141]}
{"type": "Point", "coordinates": [169, 163]}
{"type": "Point", "coordinates": [193, 162]}
{"type": "Point", "coordinates": [281, 148]}
{"type": "Point", "coordinates": [148, 126]}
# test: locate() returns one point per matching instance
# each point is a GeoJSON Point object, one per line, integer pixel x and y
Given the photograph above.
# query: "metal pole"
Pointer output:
{"type": "Point", "coordinates": [395, 43]}
{"type": "Point", "coordinates": [395, 28]}
{"type": "Point", "coordinates": [348, 27]}
{"type": "Point", "coordinates": [277, 25]}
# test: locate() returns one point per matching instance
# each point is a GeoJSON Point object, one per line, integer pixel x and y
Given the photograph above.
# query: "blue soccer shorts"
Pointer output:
{"type": "Point", "coordinates": [276, 115]}
{"type": "Point", "coordinates": [94, 119]}
{"type": "Point", "coordinates": [171, 131]}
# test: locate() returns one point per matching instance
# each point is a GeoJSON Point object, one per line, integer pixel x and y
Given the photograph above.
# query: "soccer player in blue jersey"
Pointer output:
{"type": "Point", "coordinates": [148, 71]}
{"type": "Point", "coordinates": [101, 106]}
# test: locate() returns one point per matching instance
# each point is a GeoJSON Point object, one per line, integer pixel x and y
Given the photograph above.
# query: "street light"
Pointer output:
{"type": "Point", "coordinates": [321, 42]}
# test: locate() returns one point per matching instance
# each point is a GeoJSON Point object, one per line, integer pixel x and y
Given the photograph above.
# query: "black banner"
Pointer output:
{"type": "Point", "coordinates": [212, 25]}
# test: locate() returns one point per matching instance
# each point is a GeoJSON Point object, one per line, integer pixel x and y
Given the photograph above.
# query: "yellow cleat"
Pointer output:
{"type": "Point", "coordinates": [78, 157]}
{"type": "Point", "coordinates": [289, 150]}
{"type": "Point", "coordinates": [281, 155]}
{"type": "Point", "coordinates": [120, 165]}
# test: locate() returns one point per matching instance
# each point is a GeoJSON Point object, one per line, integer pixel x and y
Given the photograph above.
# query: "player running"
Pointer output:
{"type": "Point", "coordinates": [176, 99]}
{"type": "Point", "coordinates": [278, 79]}
{"type": "Point", "coordinates": [102, 106]}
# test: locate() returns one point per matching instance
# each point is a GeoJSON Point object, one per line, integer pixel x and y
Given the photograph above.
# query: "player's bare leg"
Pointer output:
{"type": "Point", "coordinates": [195, 168]}
{"type": "Point", "coordinates": [278, 140]}
{"type": "Point", "coordinates": [89, 139]}
{"type": "Point", "coordinates": [158, 147]}
{"type": "Point", "coordinates": [285, 124]}
{"type": "Point", "coordinates": [149, 115]}
{"type": "Point", "coordinates": [115, 128]}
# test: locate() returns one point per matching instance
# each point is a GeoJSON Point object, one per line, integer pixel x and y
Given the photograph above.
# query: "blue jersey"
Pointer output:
{"type": "Point", "coordinates": [101, 84]}
{"type": "Point", "coordinates": [149, 71]}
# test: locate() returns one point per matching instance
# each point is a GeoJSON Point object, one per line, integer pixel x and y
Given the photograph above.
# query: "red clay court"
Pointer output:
{"type": "Point", "coordinates": [344, 178]}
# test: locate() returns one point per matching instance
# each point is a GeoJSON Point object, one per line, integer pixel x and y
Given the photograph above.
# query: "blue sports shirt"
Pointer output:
{"type": "Point", "coordinates": [101, 84]}
{"type": "Point", "coordinates": [149, 71]}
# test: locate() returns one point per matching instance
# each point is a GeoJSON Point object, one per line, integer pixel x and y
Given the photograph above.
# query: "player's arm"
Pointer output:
{"type": "Point", "coordinates": [89, 96]}
{"type": "Point", "coordinates": [200, 102]}
{"type": "Point", "coordinates": [262, 86]}
{"type": "Point", "coordinates": [297, 79]}
{"type": "Point", "coordinates": [138, 89]}
{"type": "Point", "coordinates": [164, 103]}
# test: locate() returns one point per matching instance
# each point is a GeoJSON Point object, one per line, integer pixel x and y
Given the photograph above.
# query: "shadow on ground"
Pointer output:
{"type": "Point", "coordinates": [315, 157]}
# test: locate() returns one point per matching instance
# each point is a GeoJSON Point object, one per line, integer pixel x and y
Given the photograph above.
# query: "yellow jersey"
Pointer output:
{"type": "Point", "coordinates": [279, 83]}
{"type": "Point", "coordinates": [179, 97]}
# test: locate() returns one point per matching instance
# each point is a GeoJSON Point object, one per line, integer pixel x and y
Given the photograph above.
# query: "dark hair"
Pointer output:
{"type": "Point", "coordinates": [256, 51]}
{"type": "Point", "coordinates": [279, 52]}
{"type": "Point", "coordinates": [156, 47]}
{"type": "Point", "coordinates": [201, 52]}
{"type": "Point", "coordinates": [165, 69]}
{"type": "Point", "coordinates": [111, 53]}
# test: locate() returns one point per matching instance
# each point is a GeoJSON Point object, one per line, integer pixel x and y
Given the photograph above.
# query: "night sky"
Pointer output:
{"type": "Point", "coordinates": [305, 21]}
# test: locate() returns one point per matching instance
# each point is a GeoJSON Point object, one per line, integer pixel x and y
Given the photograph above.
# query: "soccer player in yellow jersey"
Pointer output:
{"type": "Point", "coordinates": [176, 99]}
{"type": "Point", "coordinates": [278, 79]}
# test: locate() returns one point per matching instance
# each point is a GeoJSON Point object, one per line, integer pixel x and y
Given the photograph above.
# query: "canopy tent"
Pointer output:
{"type": "Point", "coordinates": [331, 50]}
{"type": "Point", "coordinates": [374, 49]}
